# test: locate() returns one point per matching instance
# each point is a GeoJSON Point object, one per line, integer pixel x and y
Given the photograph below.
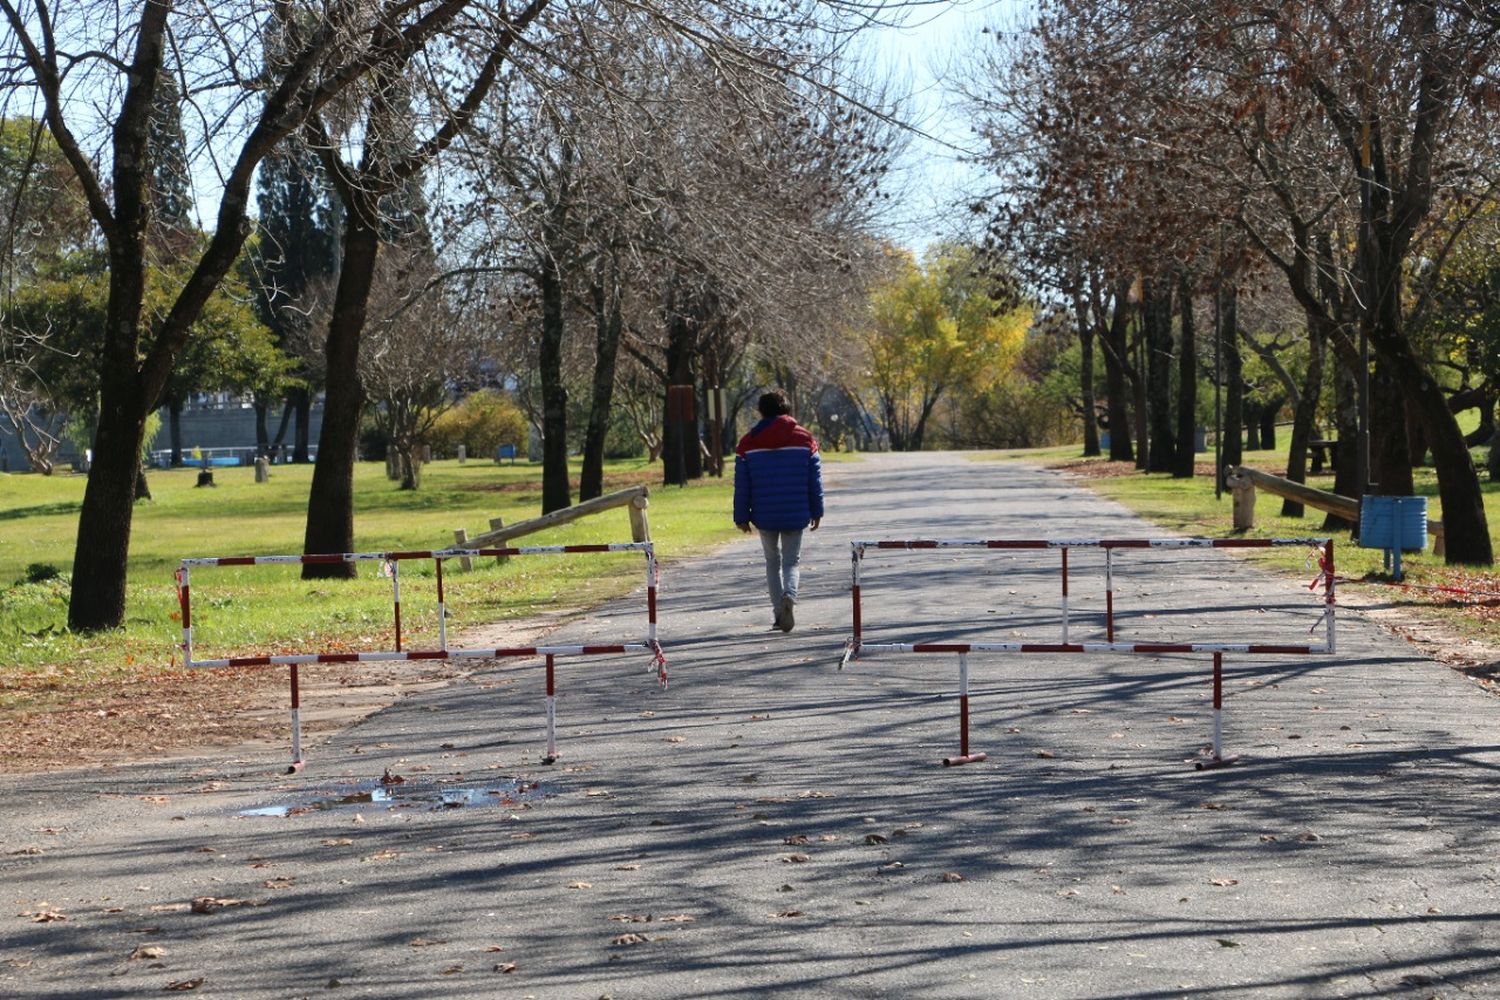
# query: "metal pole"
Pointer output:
{"type": "Point", "coordinates": [296, 722]}
{"type": "Point", "coordinates": [551, 710]}
{"type": "Point", "coordinates": [964, 756]}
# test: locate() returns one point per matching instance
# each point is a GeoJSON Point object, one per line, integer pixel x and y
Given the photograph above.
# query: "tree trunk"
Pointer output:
{"type": "Point", "coordinates": [1390, 463]}
{"type": "Point", "coordinates": [301, 400]}
{"type": "Point", "coordinates": [330, 504]}
{"type": "Point", "coordinates": [1231, 448]}
{"type": "Point", "coordinates": [681, 458]}
{"type": "Point", "coordinates": [1302, 419]}
{"type": "Point", "coordinates": [556, 492]}
{"type": "Point", "coordinates": [1465, 528]}
{"type": "Point", "coordinates": [1086, 373]}
{"type": "Point", "coordinates": [1156, 311]}
{"type": "Point", "coordinates": [410, 466]}
{"type": "Point", "coordinates": [1416, 434]}
{"type": "Point", "coordinates": [1346, 421]}
{"type": "Point", "coordinates": [97, 597]}
{"type": "Point", "coordinates": [1139, 392]}
{"type": "Point", "coordinates": [1187, 387]}
{"type": "Point", "coordinates": [1268, 417]}
{"type": "Point", "coordinates": [608, 325]}
{"type": "Point", "coordinates": [262, 435]}
{"type": "Point", "coordinates": [1115, 366]}
{"type": "Point", "coordinates": [174, 429]}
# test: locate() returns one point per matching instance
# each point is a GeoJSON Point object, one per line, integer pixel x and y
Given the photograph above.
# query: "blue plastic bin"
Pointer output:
{"type": "Point", "coordinates": [1396, 524]}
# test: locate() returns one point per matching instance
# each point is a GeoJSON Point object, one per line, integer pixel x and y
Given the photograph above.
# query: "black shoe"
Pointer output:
{"type": "Point", "coordinates": [786, 620]}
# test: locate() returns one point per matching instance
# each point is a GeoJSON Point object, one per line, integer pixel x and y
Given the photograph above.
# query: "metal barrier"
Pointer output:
{"type": "Point", "coordinates": [391, 563]}
{"type": "Point", "coordinates": [855, 646]}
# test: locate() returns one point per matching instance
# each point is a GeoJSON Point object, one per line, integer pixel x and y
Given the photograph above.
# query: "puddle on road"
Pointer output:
{"type": "Point", "coordinates": [407, 796]}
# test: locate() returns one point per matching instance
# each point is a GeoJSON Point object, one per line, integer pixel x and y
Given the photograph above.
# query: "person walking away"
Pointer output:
{"type": "Point", "coordinates": [778, 488]}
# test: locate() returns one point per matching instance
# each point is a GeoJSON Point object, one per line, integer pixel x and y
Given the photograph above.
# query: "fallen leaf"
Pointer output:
{"type": "Point", "coordinates": [186, 984]}
{"type": "Point", "coordinates": [796, 839]}
{"type": "Point", "coordinates": [627, 868]}
{"type": "Point", "coordinates": [631, 918]}
{"type": "Point", "coordinates": [580, 885]}
{"type": "Point", "coordinates": [337, 842]}
{"type": "Point", "coordinates": [453, 970]}
{"type": "Point", "coordinates": [675, 739]}
{"type": "Point", "coordinates": [1223, 881]}
{"type": "Point", "coordinates": [45, 917]}
{"type": "Point", "coordinates": [787, 913]}
{"type": "Point", "coordinates": [506, 967]}
{"type": "Point", "coordinates": [1216, 806]}
{"type": "Point", "coordinates": [1309, 837]}
{"type": "Point", "coordinates": [391, 779]}
{"type": "Point", "coordinates": [147, 951]}
{"type": "Point", "coordinates": [876, 838]}
{"type": "Point", "coordinates": [1226, 943]}
{"type": "Point", "coordinates": [422, 942]}
{"type": "Point", "coordinates": [1046, 754]}
{"type": "Point", "coordinates": [795, 859]}
{"type": "Point", "coordinates": [208, 904]}
{"type": "Point", "coordinates": [677, 918]}
{"type": "Point", "coordinates": [385, 855]}
{"type": "Point", "coordinates": [629, 939]}
{"type": "Point", "coordinates": [280, 882]}
{"type": "Point", "coordinates": [952, 877]}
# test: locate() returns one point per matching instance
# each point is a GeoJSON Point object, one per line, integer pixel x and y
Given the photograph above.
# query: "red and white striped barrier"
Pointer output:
{"type": "Point", "coordinates": [391, 562]}
{"type": "Point", "coordinates": [856, 645]}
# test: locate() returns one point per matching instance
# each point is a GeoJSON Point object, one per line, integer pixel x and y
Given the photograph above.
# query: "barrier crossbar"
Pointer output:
{"type": "Point", "coordinates": [392, 561]}
{"type": "Point", "coordinates": [1323, 551]}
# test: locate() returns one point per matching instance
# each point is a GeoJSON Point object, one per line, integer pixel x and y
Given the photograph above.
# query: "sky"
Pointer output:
{"type": "Point", "coordinates": [932, 180]}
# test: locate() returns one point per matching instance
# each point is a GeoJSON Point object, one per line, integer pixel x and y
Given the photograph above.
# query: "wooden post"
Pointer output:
{"type": "Point", "coordinates": [463, 454]}
{"type": "Point", "coordinates": [640, 528]}
{"type": "Point", "coordinates": [262, 469]}
{"type": "Point", "coordinates": [460, 536]}
{"type": "Point", "coordinates": [496, 523]}
{"type": "Point", "coordinates": [1244, 500]}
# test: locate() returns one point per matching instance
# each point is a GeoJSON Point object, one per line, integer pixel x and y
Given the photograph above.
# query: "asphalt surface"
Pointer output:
{"type": "Point", "coordinates": [786, 826]}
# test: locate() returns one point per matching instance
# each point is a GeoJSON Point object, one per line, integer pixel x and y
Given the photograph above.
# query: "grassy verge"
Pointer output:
{"type": "Point", "coordinates": [1469, 601]}
{"type": "Point", "coordinates": [269, 609]}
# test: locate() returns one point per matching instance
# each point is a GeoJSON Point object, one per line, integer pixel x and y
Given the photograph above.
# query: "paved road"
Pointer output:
{"type": "Point", "coordinates": [785, 825]}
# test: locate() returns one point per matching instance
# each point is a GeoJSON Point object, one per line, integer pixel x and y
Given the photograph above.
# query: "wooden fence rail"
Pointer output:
{"type": "Point", "coordinates": [635, 498]}
{"type": "Point", "coordinates": [1242, 482]}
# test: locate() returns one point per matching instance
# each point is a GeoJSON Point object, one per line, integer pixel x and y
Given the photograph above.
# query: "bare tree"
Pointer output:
{"type": "Point", "coordinates": [97, 68]}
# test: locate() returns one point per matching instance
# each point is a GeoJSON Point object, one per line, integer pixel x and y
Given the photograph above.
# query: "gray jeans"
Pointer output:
{"type": "Point", "coordinates": [783, 552]}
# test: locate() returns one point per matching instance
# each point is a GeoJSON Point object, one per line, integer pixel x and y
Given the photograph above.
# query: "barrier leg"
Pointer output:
{"type": "Point", "coordinates": [964, 756]}
{"type": "Point", "coordinates": [442, 609]}
{"type": "Point", "coordinates": [296, 723]}
{"type": "Point", "coordinates": [1065, 594]}
{"type": "Point", "coordinates": [1218, 760]}
{"type": "Point", "coordinates": [396, 598]}
{"type": "Point", "coordinates": [851, 647]}
{"type": "Point", "coordinates": [551, 710]}
{"type": "Point", "coordinates": [1109, 596]}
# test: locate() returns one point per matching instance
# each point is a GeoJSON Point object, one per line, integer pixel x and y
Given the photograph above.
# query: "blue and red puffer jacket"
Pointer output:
{"type": "Point", "coordinates": [778, 476]}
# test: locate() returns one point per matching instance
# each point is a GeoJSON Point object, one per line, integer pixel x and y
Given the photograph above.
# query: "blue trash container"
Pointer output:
{"type": "Point", "coordinates": [1396, 524]}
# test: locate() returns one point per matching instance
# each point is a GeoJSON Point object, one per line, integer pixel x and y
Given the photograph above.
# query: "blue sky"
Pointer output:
{"type": "Point", "coordinates": [932, 181]}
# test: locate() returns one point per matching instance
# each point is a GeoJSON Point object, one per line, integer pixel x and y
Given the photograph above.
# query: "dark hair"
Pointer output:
{"type": "Point", "coordinates": [773, 404]}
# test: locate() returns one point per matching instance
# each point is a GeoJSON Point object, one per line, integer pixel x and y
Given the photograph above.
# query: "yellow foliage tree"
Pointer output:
{"type": "Point", "coordinates": [934, 328]}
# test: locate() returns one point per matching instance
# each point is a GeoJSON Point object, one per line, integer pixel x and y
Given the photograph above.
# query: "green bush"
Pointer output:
{"type": "Point", "coordinates": [38, 572]}
{"type": "Point", "coordinates": [481, 422]}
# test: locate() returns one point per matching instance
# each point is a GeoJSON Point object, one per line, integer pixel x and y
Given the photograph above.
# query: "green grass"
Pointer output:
{"type": "Point", "coordinates": [267, 609]}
